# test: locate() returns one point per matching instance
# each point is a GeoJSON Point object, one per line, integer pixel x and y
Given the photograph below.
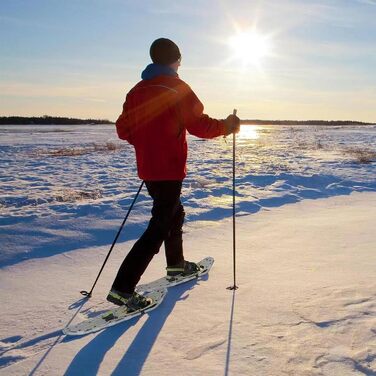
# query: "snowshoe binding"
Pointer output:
{"type": "Point", "coordinates": [185, 269]}
{"type": "Point", "coordinates": [134, 302]}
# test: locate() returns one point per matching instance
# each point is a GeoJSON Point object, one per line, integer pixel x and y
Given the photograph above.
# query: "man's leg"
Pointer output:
{"type": "Point", "coordinates": [174, 241]}
{"type": "Point", "coordinates": [166, 203]}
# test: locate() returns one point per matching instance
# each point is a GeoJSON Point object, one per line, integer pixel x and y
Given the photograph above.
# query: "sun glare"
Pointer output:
{"type": "Point", "coordinates": [249, 132]}
{"type": "Point", "coordinates": [250, 47]}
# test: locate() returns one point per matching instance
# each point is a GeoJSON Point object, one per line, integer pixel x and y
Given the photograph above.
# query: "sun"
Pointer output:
{"type": "Point", "coordinates": [250, 47]}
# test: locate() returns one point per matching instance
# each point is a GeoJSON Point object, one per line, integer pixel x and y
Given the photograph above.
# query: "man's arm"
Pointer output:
{"type": "Point", "coordinates": [200, 124]}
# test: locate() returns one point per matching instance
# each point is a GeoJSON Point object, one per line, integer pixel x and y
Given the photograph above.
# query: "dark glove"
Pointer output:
{"type": "Point", "coordinates": [232, 124]}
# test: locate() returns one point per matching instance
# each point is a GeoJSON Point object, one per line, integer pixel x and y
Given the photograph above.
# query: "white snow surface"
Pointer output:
{"type": "Point", "coordinates": [63, 187]}
{"type": "Point", "coordinates": [306, 261]}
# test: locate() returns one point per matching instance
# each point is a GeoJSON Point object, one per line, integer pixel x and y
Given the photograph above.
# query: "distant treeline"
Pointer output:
{"type": "Point", "coordinates": [49, 120]}
{"type": "Point", "coordinates": [65, 120]}
{"type": "Point", "coordinates": [303, 122]}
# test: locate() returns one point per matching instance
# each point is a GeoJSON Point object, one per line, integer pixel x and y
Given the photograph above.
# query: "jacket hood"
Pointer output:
{"type": "Point", "coordinates": [155, 70]}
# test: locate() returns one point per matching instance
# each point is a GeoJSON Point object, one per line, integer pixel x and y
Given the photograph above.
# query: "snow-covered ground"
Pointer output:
{"type": "Point", "coordinates": [306, 255]}
{"type": "Point", "coordinates": [67, 187]}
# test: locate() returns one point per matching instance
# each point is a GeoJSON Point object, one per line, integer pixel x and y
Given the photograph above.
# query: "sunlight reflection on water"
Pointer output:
{"type": "Point", "coordinates": [249, 132]}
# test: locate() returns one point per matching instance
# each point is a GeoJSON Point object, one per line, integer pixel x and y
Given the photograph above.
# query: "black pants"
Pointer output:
{"type": "Point", "coordinates": [165, 226]}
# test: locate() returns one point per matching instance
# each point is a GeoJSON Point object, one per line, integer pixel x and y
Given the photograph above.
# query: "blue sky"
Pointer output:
{"type": "Point", "coordinates": [79, 58]}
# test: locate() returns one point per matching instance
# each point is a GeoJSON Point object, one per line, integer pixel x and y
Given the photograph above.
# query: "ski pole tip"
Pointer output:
{"type": "Point", "coordinates": [234, 287]}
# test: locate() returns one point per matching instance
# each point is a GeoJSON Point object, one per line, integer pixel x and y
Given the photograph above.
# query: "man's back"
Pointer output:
{"type": "Point", "coordinates": [150, 122]}
{"type": "Point", "coordinates": [156, 114]}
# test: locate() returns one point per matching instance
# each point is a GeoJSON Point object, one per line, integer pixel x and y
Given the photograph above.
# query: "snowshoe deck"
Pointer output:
{"type": "Point", "coordinates": [155, 290]}
{"type": "Point", "coordinates": [114, 316]}
{"type": "Point", "coordinates": [165, 282]}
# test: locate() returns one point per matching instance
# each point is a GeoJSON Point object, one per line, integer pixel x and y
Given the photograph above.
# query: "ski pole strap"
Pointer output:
{"type": "Point", "coordinates": [88, 293]}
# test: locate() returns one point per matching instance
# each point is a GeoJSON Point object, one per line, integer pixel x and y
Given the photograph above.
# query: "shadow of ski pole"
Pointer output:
{"type": "Point", "coordinates": [59, 334]}
{"type": "Point", "coordinates": [229, 339]}
{"type": "Point", "coordinates": [42, 359]}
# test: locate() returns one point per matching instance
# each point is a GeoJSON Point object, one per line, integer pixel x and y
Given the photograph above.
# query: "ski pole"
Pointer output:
{"type": "Point", "coordinates": [233, 287]}
{"type": "Point", "coordinates": [88, 293]}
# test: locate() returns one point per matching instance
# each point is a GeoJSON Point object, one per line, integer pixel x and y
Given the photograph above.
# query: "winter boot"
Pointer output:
{"type": "Point", "coordinates": [186, 268]}
{"type": "Point", "coordinates": [134, 301]}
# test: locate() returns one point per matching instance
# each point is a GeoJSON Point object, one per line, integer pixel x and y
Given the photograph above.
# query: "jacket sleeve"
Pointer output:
{"type": "Point", "coordinates": [196, 122]}
{"type": "Point", "coordinates": [124, 123]}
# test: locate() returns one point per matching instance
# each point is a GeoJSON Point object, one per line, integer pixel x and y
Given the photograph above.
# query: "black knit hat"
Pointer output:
{"type": "Point", "coordinates": [164, 51]}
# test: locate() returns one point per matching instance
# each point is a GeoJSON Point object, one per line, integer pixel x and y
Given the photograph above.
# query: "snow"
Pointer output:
{"type": "Point", "coordinates": [64, 185]}
{"type": "Point", "coordinates": [305, 255]}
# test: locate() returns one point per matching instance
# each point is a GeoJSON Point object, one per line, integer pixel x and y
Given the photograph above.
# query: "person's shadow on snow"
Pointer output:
{"type": "Point", "coordinates": [89, 358]}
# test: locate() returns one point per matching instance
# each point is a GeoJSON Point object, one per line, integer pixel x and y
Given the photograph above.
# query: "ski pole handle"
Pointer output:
{"type": "Point", "coordinates": [234, 113]}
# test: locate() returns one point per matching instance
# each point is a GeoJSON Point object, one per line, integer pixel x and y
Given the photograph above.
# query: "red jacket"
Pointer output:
{"type": "Point", "coordinates": [156, 115]}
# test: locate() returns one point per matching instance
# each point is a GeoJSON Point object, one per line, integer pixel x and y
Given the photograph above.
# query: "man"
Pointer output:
{"type": "Point", "coordinates": [156, 115]}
